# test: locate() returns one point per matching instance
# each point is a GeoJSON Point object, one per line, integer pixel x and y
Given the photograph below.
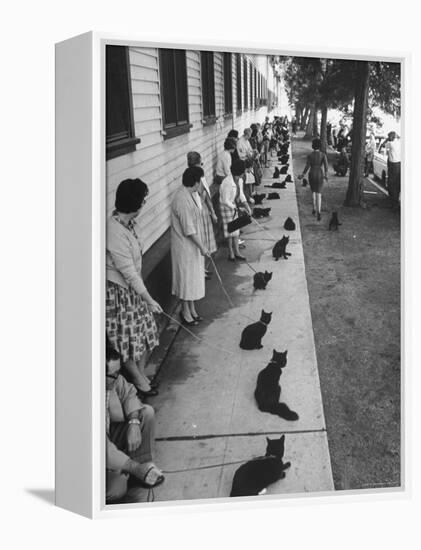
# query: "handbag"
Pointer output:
{"type": "Point", "coordinates": [238, 223]}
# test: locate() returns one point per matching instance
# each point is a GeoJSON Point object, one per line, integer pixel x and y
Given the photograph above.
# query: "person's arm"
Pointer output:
{"type": "Point", "coordinates": [119, 249]}
{"type": "Point", "coordinates": [224, 194]}
{"type": "Point", "coordinates": [325, 165]}
{"type": "Point", "coordinates": [242, 198]}
{"type": "Point", "coordinates": [306, 168]}
{"type": "Point", "coordinates": [210, 207]}
{"type": "Point", "coordinates": [188, 225]}
{"type": "Point", "coordinates": [226, 165]}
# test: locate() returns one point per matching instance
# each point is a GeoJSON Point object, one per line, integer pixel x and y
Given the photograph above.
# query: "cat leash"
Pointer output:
{"type": "Point", "coordinates": [201, 340]}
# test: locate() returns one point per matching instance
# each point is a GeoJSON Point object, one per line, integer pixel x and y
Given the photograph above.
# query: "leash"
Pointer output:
{"type": "Point", "coordinates": [201, 340]}
{"type": "Point", "coordinates": [210, 466]}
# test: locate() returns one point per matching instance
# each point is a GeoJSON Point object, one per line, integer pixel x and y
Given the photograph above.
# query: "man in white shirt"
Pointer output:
{"type": "Point", "coordinates": [243, 146]}
{"type": "Point", "coordinates": [393, 152]}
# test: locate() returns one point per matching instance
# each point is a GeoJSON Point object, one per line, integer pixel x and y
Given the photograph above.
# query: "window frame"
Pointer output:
{"type": "Point", "coordinates": [207, 80]}
{"type": "Point", "coordinates": [173, 129]}
{"type": "Point", "coordinates": [245, 84]}
{"type": "Point", "coordinates": [121, 143]}
{"type": "Point", "coordinates": [227, 64]}
{"type": "Point", "coordinates": [239, 85]}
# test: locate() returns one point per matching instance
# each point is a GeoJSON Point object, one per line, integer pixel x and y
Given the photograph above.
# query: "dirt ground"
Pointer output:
{"type": "Point", "coordinates": [353, 277]}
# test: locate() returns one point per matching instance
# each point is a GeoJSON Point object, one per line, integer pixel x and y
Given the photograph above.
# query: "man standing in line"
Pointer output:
{"type": "Point", "coordinates": [245, 150]}
{"type": "Point", "coordinates": [393, 151]}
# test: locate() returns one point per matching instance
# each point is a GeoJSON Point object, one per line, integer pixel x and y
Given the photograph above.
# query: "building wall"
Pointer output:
{"type": "Point", "coordinates": [159, 162]}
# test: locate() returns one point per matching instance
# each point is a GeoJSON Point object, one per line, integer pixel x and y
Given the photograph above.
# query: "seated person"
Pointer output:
{"type": "Point", "coordinates": [341, 165]}
{"type": "Point", "coordinates": [130, 434]}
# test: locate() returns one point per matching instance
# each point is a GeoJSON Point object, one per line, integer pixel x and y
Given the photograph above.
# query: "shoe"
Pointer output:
{"type": "Point", "coordinates": [313, 212]}
{"type": "Point", "coordinates": [151, 393]}
{"type": "Point", "coordinates": [242, 258]}
{"type": "Point", "coordinates": [197, 318]}
{"type": "Point", "coordinates": [192, 323]}
{"type": "Point", "coordinates": [154, 384]}
{"type": "Point", "coordinates": [319, 217]}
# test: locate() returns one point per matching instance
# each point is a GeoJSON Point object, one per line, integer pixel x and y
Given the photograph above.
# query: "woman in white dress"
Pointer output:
{"type": "Point", "coordinates": [187, 247]}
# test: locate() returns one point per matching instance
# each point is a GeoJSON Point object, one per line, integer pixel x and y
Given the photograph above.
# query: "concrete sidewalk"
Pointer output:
{"type": "Point", "coordinates": [207, 419]}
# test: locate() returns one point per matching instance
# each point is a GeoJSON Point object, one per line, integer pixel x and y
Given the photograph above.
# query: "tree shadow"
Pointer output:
{"type": "Point", "coordinates": [47, 495]}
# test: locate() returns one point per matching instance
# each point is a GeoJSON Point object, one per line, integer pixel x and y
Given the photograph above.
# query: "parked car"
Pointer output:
{"type": "Point", "coordinates": [380, 161]}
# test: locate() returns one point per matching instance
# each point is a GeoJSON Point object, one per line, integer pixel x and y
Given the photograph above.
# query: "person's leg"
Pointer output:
{"type": "Point", "coordinates": [319, 205]}
{"type": "Point", "coordinates": [116, 486]}
{"type": "Point", "coordinates": [314, 203]}
{"type": "Point", "coordinates": [137, 376]}
{"type": "Point", "coordinates": [231, 247]}
{"type": "Point", "coordinates": [192, 309]}
{"type": "Point", "coordinates": [236, 246]}
{"type": "Point", "coordinates": [185, 310]}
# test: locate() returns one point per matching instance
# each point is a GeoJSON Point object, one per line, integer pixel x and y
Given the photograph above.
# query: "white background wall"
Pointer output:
{"type": "Point", "coordinates": [29, 30]}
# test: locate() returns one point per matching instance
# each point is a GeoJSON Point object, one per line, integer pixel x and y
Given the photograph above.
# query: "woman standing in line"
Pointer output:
{"type": "Point", "coordinates": [208, 214]}
{"type": "Point", "coordinates": [317, 164]}
{"type": "Point", "coordinates": [130, 324]}
{"type": "Point", "coordinates": [187, 248]}
{"type": "Point", "coordinates": [231, 196]}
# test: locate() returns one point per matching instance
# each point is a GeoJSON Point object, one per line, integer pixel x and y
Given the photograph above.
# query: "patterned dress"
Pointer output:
{"type": "Point", "coordinates": [207, 232]}
{"type": "Point", "coordinates": [130, 326]}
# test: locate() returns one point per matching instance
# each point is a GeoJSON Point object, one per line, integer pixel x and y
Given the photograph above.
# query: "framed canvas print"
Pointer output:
{"type": "Point", "coordinates": [228, 274]}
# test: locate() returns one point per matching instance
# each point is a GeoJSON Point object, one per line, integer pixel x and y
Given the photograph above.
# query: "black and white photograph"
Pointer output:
{"type": "Point", "coordinates": [253, 274]}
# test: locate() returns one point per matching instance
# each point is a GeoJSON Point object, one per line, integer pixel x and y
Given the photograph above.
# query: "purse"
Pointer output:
{"type": "Point", "coordinates": [238, 223]}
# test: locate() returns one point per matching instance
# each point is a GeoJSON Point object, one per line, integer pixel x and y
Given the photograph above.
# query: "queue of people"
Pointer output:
{"type": "Point", "coordinates": [131, 329]}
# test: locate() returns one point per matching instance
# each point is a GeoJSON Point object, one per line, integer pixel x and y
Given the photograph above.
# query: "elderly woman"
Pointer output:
{"type": "Point", "coordinates": [187, 247]}
{"type": "Point", "coordinates": [317, 164]}
{"type": "Point", "coordinates": [130, 324]}
{"type": "Point", "coordinates": [208, 214]}
{"type": "Point", "coordinates": [231, 197]}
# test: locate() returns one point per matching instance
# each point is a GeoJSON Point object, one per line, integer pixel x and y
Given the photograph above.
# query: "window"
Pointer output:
{"type": "Point", "coordinates": [238, 75]}
{"type": "Point", "coordinates": [227, 83]}
{"type": "Point", "coordinates": [174, 98]}
{"type": "Point", "coordinates": [208, 85]}
{"type": "Point", "coordinates": [120, 138]}
{"type": "Point", "coordinates": [246, 92]}
{"type": "Point", "coordinates": [256, 105]}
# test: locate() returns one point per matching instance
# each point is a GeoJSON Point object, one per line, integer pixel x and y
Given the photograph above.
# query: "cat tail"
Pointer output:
{"type": "Point", "coordinates": [282, 410]}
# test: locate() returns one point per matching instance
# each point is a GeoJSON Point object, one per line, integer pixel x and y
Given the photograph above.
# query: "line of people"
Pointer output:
{"type": "Point", "coordinates": [131, 329]}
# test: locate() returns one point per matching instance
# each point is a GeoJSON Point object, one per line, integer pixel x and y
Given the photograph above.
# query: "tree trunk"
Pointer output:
{"type": "Point", "coordinates": [298, 114]}
{"type": "Point", "coordinates": [323, 130]}
{"type": "Point", "coordinates": [310, 123]}
{"type": "Point", "coordinates": [359, 129]}
{"type": "Point", "coordinates": [304, 118]}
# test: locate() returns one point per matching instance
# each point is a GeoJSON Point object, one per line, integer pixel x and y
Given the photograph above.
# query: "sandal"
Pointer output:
{"type": "Point", "coordinates": [152, 477]}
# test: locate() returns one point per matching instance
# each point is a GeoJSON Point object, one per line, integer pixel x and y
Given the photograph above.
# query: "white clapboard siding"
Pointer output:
{"type": "Point", "coordinates": [160, 162]}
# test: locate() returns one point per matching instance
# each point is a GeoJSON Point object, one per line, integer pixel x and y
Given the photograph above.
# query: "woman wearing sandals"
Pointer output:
{"type": "Point", "coordinates": [231, 197]}
{"type": "Point", "coordinates": [317, 164]}
{"type": "Point", "coordinates": [208, 214]}
{"type": "Point", "coordinates": [130, 323]}
{"type": "Point", "coordinates": [130, 429]}
{"type": "Point", "coordinates": [187, 246]}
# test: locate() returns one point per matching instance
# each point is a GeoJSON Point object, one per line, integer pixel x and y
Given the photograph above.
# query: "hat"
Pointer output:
{"type": "Point", "coordinates": [289, 224]}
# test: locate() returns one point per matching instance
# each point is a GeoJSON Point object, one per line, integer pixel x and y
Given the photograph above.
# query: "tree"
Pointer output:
{"type": "Point", "coordinates": [359, 130]}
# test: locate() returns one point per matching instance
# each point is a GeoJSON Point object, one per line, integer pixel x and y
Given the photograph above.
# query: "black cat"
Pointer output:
{"type": "Point", "coordinates": [283, 159]}
{"type": "Point", "coordinates": [279, 250]}
{"type": "Point", "coordinates": [258, 198]}
{"type": "Point", "coordinates": [251, 337]}
{"type": "Point", "coordinates": [277, 185]}
{"type": "Point", "coordinates": [284, 148]}
{"type": "Point", "coordinates": [334, 221]}
{"type": "Point", "coordinates": [284, 169]}
{"type": "Point", "coordinates": [276, 174]}
{"type": "Point", "coordinates": [261, 212]}
{"type": "Point", "coordinates": [288, 179]}
{"type": "Point", "coordinates": [305, 182]}
{"type": "Point", "coordinates": [289, 224]}
{"type": "Point", "coordinates": [273, 196]}
{"type": "Point", "coordinates": [268, 390]}
{"type": "Point", "coordinates": [260, 280]}
{"type": "Point", "coordinates": [256, 475]}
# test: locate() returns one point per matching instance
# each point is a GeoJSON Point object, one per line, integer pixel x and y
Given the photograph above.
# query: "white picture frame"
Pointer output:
{"type": "Point", "coordinates": [80, 273]}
